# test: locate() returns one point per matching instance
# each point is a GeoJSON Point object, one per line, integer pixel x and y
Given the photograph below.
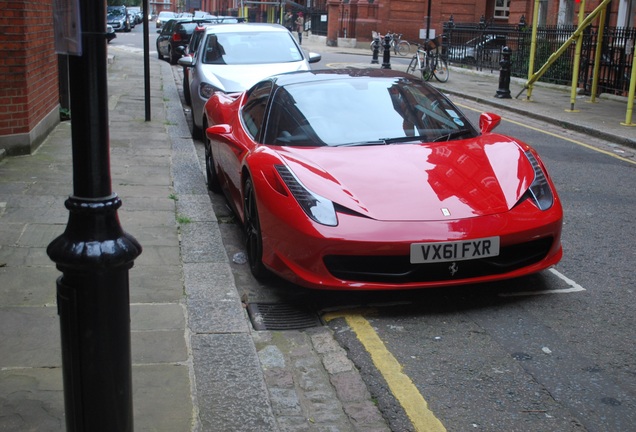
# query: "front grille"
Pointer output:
{"type": "Point", "coordinates": [398, 269]}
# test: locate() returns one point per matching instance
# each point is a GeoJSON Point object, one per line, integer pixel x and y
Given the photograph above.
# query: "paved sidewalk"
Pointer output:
{"type": "Point", "coordinates": [197, 363]}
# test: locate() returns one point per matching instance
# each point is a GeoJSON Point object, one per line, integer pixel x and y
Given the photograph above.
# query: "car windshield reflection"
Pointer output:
{"type": "Point", "coordinates": [250, 48]}
{"type": "Point", "coordinates": [362, 112]}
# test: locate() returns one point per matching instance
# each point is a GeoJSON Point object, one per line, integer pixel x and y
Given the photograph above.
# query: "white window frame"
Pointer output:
{"type": "Point", "coordinates": [502, 9]}
{"type": "Point", "coordinates": [626, 12]}
{"type": "Point", "coordinates": [565, 16]}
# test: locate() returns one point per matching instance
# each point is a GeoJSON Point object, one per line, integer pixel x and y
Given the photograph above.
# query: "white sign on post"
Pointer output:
{"type": "Point", "coordinates": [67, 27]}
{"type": "Point", "coordinates": [431, 33]}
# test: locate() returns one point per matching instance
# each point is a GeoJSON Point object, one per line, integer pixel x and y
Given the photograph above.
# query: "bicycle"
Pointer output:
{"type": "Point", "coordinates": [429, 62]}
{"type": "Point", "coordinates": [400, 47]}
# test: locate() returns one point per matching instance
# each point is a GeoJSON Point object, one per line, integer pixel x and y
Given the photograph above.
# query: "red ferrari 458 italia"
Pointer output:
{"type": "Point", "coordinates": [372, 179]}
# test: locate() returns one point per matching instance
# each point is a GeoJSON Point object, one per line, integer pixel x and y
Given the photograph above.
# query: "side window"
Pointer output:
{"type": "Point", "coordinates": [167, 29]}
{"type": "Point", "coordinates": [253, 113]}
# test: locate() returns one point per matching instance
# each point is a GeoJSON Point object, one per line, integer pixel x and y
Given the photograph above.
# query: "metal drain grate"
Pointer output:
{"type": "Point", "coordinates": [276, 316]}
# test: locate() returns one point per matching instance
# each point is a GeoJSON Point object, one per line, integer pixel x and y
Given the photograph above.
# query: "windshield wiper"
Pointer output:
{"type": "Point", "coordinates": [418, 138]}
{"type": "Point", "coordinates": [453, 135]}
{"type": "Point", "coordinates": [363, 143]}
{"type": "Point", "coordinates": [384, 141]}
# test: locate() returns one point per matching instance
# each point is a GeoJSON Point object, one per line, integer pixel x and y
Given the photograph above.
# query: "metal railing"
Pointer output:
{"type": "Point", "coordinates": [479, 46]}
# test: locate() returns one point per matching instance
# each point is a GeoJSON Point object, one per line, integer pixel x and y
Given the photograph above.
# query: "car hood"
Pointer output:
{"type": "Point", "coordinates": [441, 181]}
{"type": "Point", "coordinates": [236, 78]}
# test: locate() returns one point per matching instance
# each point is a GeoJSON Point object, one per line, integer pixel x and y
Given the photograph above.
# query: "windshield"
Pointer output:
{"type": "Point", "coordinates": [250, 48]}
{"type": "Point", "coordinates": [363, 111]}
{"type": "Point", "coordinates": [115, 11]}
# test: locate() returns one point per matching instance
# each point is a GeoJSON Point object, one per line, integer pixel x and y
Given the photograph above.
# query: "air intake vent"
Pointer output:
{"type": "Point", "coordinates": [272, 316]}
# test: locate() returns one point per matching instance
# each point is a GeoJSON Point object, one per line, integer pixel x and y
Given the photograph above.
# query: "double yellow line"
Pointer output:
{"type": "Point", "coordinates": [402, 388]}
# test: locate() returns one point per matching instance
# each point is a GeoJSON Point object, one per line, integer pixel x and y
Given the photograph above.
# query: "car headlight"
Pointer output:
{"type": "Point", "coordinates": [539, 190]}
{"type": "Point", "coordinates": [319, 209]}
{"type": "Point", "coordinates": [206, 90]}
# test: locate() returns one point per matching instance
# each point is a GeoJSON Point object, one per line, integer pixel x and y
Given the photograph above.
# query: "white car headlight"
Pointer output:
{"type": "Point", "coordinates": [317, 208]}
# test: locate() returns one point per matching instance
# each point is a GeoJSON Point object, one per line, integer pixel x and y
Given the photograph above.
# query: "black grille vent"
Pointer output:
{"type": "Point", "coordinates": [276, 316]}
{"type": "Point", "coordinates": [398, 269]}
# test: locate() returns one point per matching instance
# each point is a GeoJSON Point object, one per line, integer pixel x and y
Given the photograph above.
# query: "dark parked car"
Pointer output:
{"type": "Point", "coordinates": [175, 36]}
{"type": "Point", "coordinates": [136, 13]}
{"type": "Point", "coordinates": [482, 49]}
{"type": "Point", "coordinates": [119, 18]}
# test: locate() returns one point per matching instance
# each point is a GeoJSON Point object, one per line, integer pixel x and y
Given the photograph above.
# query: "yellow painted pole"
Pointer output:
{"type": "Point", "coordinates": [281, 13]}
{"type": "Point", "coordinates": [631, 95]}
{"type": "Point", "coordinates": [533, 46]}
{"type": "Point", "coordinates": [597, 55]}
{"type": "Point", "coordinates": [577, 58]}
{"type": "Point", "coordinates": [555, 55]}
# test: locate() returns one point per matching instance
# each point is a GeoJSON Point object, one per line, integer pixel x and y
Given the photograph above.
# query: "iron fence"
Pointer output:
{"type": "Point", "coordinates": [317, 18]}
{"type": "Point", "coordinates": [479, 46]}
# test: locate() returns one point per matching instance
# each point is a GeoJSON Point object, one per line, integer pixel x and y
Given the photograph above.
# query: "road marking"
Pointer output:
{"type": "Point", "coordinates": [580, 143]}
{"type": "Point", "coordinates": [399, 383]}
{"type": "Point", "coordinates": [574, 287]}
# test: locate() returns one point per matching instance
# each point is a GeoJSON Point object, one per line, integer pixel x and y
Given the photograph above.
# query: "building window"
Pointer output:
{"type": "Point", "coordinates": [543, 13]}
{"type": "Point", "coordinates": [502, 9]}
{"type": "Point", "coordinates": [565, 17]}
{"type": "Point", "coordinates": [626, 13]}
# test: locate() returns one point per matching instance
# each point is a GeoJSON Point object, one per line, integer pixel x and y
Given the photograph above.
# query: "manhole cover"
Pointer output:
{"type": "Point", "coordinates": [276, 316]}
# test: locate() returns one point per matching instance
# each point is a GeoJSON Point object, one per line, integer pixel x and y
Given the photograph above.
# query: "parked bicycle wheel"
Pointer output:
{"type": "Point", "coordinates": [440, 70]}
{"type": "Point", "coordinates": [403, 48]}
{"type": "Point", "coordinates": [427, 68]}
{"type": "Point", "coordinates": [415, 64]}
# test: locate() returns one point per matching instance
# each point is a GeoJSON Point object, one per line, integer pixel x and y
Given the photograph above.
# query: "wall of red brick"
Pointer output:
{"type": "Point", "coordinates": [409, 16]}
{"type": "Point", "coordinates": [28, 65]}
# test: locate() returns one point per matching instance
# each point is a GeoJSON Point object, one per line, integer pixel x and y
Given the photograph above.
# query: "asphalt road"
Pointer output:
{"type": "Point", "coordinates": [551, 352]}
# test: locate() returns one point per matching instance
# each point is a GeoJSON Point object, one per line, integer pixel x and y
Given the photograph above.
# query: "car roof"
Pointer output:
{"type": "Point", "coordinates": [331, 74]}
{"type": "Point", "coordinates": [244, 27]}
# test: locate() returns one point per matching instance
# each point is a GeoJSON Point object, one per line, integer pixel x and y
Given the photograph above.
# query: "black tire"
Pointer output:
{"type": "Point", "coordinates": [197, 132]}
{"type": "Point", "coordinates": [403, 48]}
{"type": "Point", "coordinates": [412, 66]}
{"type": "Point", "coordinates": [174, 57]}
{"type": "Point", "coordinates": [253, 235]}
{"type": "Point", "coordinates": [210, 171]}
{"type": "Point", "coordinates": [427, 70]}
{"type": "Point", "coordinates": [441, 72]}
{"type": "Point", "coordinates": [186, 91]}
{"type": "Point", "coordinates": [159, 56]}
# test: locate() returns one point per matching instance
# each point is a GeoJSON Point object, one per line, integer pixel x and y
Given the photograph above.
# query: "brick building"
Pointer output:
{"type": "Point", "coordinates": [29, 84]}
{"type": "Point", "coordinates": [358, 18]}
{"type": "Point", "coordinates": [29, 93]}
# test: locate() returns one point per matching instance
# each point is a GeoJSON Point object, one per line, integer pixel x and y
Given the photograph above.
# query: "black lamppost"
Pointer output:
{"type": "Point", "coordinates": [94, 254]}
{"type": "Point", "coordinates": [428, 21]}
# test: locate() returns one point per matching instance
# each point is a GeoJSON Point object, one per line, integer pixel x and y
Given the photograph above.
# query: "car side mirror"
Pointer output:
{"type": "Point", "coordinates": [219, 129]}
{"type": "Point", "coordinates": [158, 30]}
{"type": "Point", "coordinates": [314, 57]}
{"type": "Point", "coordinates": [488, 121]}
{"type": "Point", "coordinates": [185, 61]}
